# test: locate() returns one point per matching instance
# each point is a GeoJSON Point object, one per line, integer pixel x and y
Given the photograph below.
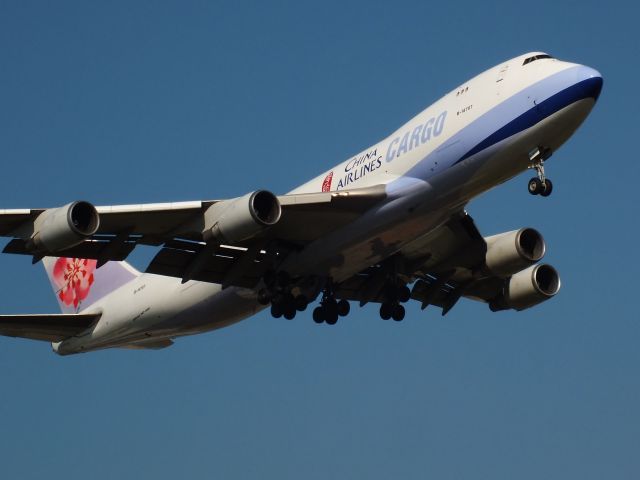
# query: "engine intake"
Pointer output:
{"type": "Point", "coordinates": [58, 229]}
{"type": "Point", "coordinates": [510, 252]}
{"type": "Point", "coordinates": [527, 288]}
{"type": "Point", "coordinates": [241, 218]}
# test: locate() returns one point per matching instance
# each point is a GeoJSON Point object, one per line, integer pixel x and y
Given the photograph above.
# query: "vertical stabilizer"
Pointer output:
{"type": "Point", "coordinates": [77, 282]}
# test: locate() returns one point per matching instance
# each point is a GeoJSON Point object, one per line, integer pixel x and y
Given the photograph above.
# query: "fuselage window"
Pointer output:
{"type": "Point", "coordinates": [536, 57]}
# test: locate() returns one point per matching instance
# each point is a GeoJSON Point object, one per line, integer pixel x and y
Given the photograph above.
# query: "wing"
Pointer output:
{"type": "Point", "coordinates": [52, 328]}
{"type": "Point", "coordinates": [121, 228]}
{"type": "Point", "coordinates": [185, 229]}
{"type": "Point", "coordinates": [305, 218]}
{"type": "Point", "coordinates": [238, 241]}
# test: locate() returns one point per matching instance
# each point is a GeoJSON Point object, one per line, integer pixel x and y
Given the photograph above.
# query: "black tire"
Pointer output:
{"type": "Point", "coordinates": [331, 310]}
{"type": "Point", "coordinates": [343, 308]}
{"type": "Point", "coordinates": [318, 314]}
{"type": "Point", "coordinates": [398, 313]}
{"type": "Point", "coordinates": [535, 186]}
{"type": "Point", "coordinates": [301, 303]}
{"type": "Point", "coordinates": [289, 312]}
{"type": "Point", "coordinates": [276, 310]}
{"type": "Point", "coordinates": [332, 316]}
{"type": "Point", "coordinates": [385, 311]}
{"type": "Point", "coordinates": [404, 294]}
{"type": "Point", "coordinates": [547, 189]}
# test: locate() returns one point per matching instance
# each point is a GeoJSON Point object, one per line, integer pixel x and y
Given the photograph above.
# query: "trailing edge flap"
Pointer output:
{"type": "Point", "coordinates": [150, 344]}
{"type": "Point", "coordinates": [94, 248]}
{"type": "Point", "coordinates": [48, 327]}
{"type": "Point", "coordinates": [174, 258]}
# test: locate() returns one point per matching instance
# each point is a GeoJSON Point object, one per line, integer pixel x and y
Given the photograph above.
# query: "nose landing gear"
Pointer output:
{"type": "Point", "coordinates": [539, 185]}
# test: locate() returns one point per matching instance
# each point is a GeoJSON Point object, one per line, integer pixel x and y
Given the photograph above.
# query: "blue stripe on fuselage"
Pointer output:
{"type": "Point", "coordinates": [548, 107]}
{"type": "Point", "coordinates": [489, 128]}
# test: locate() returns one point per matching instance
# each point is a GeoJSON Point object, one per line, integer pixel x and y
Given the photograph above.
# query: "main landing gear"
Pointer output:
{"type": "Point", "coordinates": [283, 302]}
{"type": "Point", "coordinates": [539, 185]}
{"type": "Point", "coordinates": [392, 307]}
{"type": "Point", "coordinates": [330, 308]}
{"type": "Point", "coordinates": [278, 292]}
{"type": "Point", "coordinates": [287, 305]}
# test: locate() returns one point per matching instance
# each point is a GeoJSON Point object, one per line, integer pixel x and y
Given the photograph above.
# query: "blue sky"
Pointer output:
{"type": "Point", "coordinates": [128, 102]}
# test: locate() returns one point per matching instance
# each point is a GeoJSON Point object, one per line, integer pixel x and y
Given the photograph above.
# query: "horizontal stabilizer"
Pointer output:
{"type": "Point", "coordinates": [48, 327]}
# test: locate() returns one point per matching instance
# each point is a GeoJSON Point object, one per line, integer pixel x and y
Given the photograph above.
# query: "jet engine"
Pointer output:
{"type": "Point", "coordinates": [510, 252]}
{"type": "Point", "coordinates": [527, 288]}
{"type": "Point", "coordinates": [242, 218]}
{"type": "Point", "coordinates": [57, 229]}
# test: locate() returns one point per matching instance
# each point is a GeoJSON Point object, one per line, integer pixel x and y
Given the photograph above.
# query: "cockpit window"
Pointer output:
{"type": "Point", "coordinates": [536, 57]}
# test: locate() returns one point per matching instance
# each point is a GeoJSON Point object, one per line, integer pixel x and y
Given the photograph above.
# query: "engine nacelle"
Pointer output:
{"type": "Point", "coordinates": [241, 218]}
{"type": "Point", "coordinates": [510, 252]}
{"type": "Point", "coordinates": [57, 229]}
{"type": "Point", "coordinates": [527, 288]}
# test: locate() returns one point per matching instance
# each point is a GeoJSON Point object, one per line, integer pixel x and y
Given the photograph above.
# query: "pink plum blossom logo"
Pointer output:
{"type": "Point", "coordinates": [326, 183]}
{"type": "Point", "coordinates": [73, 278]}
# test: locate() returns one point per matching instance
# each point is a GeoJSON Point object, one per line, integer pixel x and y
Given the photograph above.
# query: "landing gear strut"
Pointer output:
{"type": "Point", "coordinates": [539, 185]}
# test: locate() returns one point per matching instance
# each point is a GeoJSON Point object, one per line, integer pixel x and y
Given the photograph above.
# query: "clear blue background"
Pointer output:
{"type": "Point", "coordinates": [128, 102]}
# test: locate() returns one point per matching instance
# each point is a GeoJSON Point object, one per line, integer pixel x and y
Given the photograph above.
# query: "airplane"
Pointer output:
{"type": "Point", "coordinates": [386, 226]}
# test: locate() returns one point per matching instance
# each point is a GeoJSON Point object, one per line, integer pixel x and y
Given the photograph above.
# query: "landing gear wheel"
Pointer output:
{"type": "Point", "coordinates": [343, 308]}
{"type": "Point", "coordinates": [535, 186]}
{"type": "Point", "coordinates": [318, 314]}
{"type": "Point", "coordinates": [398, 312]}
{"type": "Point", "coordinates": [404, 294]}
{"type": "Point", "coordinates": [539, 185]}
{"type": "Point", "coordinates": [332, 317]}
{"type": "Point", "coordinates": [276, 310]}
{"type": "Point", "coordinates": [331, 312]}
{"type": "Point", "coordinates": [385, 311]}
{"type": "Point", "coordinates": [301, 303]}
{"type": "Point", "coordinates": [289, 312]}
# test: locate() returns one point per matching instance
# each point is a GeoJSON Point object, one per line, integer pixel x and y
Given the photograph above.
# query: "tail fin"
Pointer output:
{"type": "Point", "coordinates": [77, 282]}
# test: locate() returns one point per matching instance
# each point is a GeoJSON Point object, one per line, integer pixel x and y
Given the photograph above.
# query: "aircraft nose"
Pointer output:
{"type": "Point", "coordinates": [590, 80]}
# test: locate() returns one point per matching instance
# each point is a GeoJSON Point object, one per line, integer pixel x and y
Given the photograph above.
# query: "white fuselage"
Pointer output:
{"type": "Point", "coordinates": [474, 138]}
